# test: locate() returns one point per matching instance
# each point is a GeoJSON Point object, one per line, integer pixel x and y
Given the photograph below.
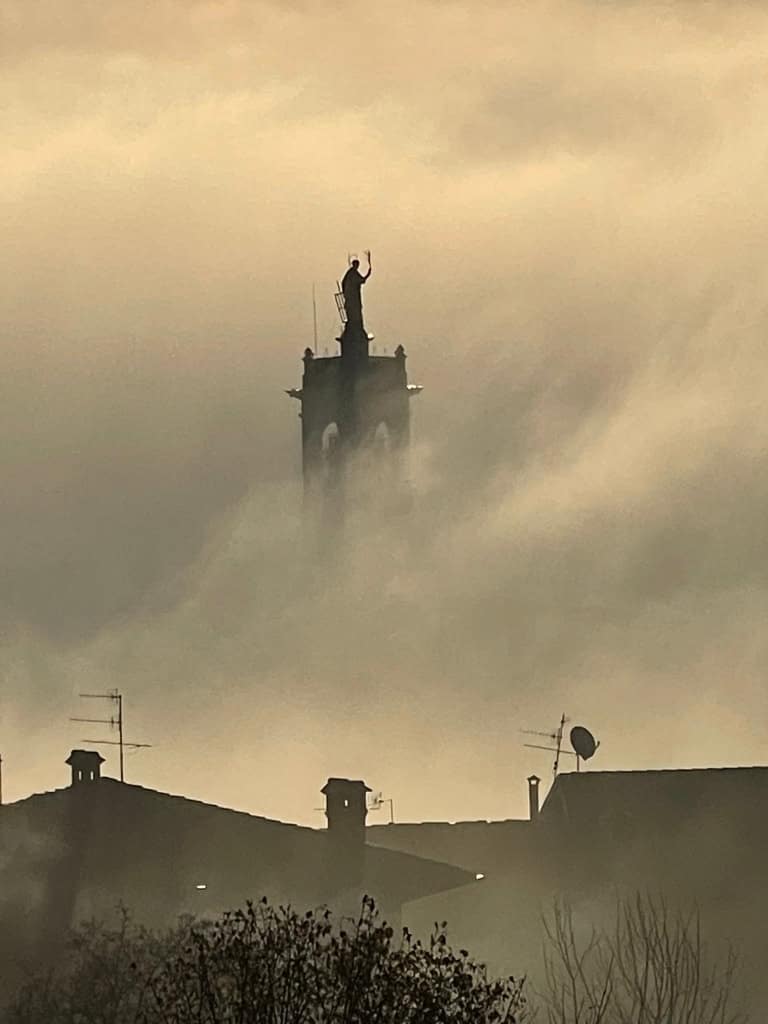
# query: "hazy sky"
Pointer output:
{"type": "Point", "coordinates": [567, 210]}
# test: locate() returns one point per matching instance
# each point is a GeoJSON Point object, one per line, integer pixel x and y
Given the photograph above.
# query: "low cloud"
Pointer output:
{"type": "Point", "coordinates": [566, 217]}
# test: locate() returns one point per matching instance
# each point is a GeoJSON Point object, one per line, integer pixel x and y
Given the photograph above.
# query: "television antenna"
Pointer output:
{"type": "Point", "coordinates": [378, 800]}
{"type": "Point", "coordinates": [115, 721]}
{"type": "Point", "coordinates": [582, 740]}
{"type": "Point", "coordinates": [555, 737]}
{"type": "Point", "coordinates": [583, 743]}
{"type": "Point", "coordinates": [314, 316]}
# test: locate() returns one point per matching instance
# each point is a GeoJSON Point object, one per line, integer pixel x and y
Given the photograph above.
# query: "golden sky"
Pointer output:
{"type": "Point", "coordinates": [566, 207]}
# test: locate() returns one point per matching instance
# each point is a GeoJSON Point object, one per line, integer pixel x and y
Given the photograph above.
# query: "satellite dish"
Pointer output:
{"type": "Point", "coordinates": [583, 742]}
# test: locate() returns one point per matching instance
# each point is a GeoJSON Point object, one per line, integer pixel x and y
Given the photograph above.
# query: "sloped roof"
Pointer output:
{"type": "Point", "coordinates": [664, 794]}
{"type": "Point", "coordinates": [107, 790]}
{"type": "Point", "coordinates": [181, 841]}
{"type": "Point", "coordinates": [477, 846]}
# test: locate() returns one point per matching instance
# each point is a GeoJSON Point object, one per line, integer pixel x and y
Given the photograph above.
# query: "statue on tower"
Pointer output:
{"type": "Point", "coordinates": [351, 288]}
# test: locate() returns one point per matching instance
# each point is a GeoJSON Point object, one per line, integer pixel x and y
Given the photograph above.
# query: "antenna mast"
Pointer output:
{"type": "Point", "coordinates": [114, 722]}
{"type": "Point", "coordinates": [556, 737]}
{"type": "Point", "coordinates": [314, 316]}
{"type": "Point", "coordinates": [583, 742]}
{"type": "Point", "coordinates": [560, 728]}
{"type": "Point", "coordinates": [377, 802]}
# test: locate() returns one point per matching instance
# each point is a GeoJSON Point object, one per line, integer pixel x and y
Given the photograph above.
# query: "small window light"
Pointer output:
{"type": "Point", "coordinates": [201, 885]}
{"type": "Point", "coordinates": [479, 876]}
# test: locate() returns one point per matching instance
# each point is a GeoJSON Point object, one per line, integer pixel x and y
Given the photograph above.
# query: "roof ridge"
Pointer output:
{"type": "Point", "coordinates": [449, 824]}
{"type": "Point", "coordinates": [204, 803]}
{"type": "Point", "coordinates": [135, 787]}
{"type": "Point", "coordinates": [662, 771]}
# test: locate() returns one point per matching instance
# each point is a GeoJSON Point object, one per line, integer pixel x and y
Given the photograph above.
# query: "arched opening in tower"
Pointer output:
{"type": "Point", "coordinates": [381, 440]}
{"type": "Point", "coordinates": [331, 451]}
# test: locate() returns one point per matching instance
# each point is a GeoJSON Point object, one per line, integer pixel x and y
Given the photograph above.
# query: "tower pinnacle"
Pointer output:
{"type": "Point", "coordinates": [355, 416]}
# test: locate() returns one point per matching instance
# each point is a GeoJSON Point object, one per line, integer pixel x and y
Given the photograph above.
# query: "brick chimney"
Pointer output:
{"type": "Point", "coordinates": [86, 766]}
{"type": "Point", "coordinates": [533, 796]}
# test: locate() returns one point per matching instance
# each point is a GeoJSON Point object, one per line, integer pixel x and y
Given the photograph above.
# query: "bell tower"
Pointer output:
{"type": "Point", "coordinates": [355, 415]}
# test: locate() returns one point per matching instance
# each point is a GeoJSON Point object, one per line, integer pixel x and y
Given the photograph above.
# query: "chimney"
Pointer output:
{"type": "Point", "coordinates": [86, 766]}
{"type": "Point", "coordinates": [346, 810]}
{"type": "Point", "coordinates": [533, 796]}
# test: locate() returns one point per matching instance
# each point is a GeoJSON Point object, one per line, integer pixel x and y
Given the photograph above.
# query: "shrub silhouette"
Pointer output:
{"type": "Point", "coordinates": [267, 965]}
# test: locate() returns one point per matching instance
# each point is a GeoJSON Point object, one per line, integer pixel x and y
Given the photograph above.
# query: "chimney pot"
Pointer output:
{"type": "Point", "coordinates": [85, 765]}
{"type": "Point", "coordinates": [533, 796]}
{"type": "Point", "coordinates": [346, 809]}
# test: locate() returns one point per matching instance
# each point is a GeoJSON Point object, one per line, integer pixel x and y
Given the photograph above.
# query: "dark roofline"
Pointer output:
{"type": "Point", "coordinates": [479, 822]}
{"type": "Point", "coordinates": [134, 788]}
{"type": "Point", "coordinates": [567, 780]}
{"type": "Point", "coordinates": [656, 772]}
{"type": "Point", "coordinates": [462, 876]}
{"type": "Point", "coordinates": [588, 773]}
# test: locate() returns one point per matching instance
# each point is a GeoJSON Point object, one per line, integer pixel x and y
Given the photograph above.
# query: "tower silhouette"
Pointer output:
{"type": "Point", "coordinates": [355, 422]}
